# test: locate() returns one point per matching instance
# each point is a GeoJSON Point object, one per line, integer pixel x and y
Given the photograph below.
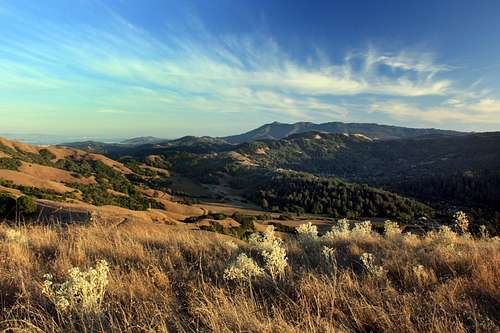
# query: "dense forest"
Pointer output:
{"type": "Point", "coordinates": [304, 193]}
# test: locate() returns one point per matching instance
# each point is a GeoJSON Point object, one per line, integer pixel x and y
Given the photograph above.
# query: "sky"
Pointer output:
{"type": "Point", "coordinates": [171, 68]}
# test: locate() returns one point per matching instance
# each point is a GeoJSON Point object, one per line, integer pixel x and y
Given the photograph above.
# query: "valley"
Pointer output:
{"type": "Point", "coordinates": [200, 231]}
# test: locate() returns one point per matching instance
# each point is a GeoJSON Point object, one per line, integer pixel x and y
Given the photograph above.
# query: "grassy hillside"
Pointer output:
{"type": "Point", "coordinates": [158, 279]}
{"type": "Point", "coordinates": [446, 172]}
{"type": "Point", "coordinates": [62, 174]}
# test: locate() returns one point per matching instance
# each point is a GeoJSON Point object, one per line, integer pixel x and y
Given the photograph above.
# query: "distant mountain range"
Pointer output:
{"type": "Point", "coordinates": [443, 169]}
{"type": "Point", "coordinates": [278, 130]}
{"type": "Point", "coordinates": [142, 140]}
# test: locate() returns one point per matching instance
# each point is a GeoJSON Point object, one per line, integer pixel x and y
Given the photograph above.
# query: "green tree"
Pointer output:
{"type": "Point", "coordinates": [26, 205]}
{"type": "Point", "coordinates": [7, 205]}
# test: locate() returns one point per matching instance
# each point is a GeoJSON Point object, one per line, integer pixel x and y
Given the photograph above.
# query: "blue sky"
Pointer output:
{"type": "Point", "coordinates": [219, 67]}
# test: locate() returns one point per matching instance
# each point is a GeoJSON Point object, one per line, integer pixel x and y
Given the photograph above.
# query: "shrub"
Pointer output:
{"type": "Point", "coordinates": [483, 231]}
{"type": "Point", "coordinates": [276, 261]}
{"type": "Point", "coordinates": [338, 231]}
{"type": "Point", "coordinates": [272, 251]}
{"type": "Point", "coordinates": [265, 241]}
{"type": "Point", "coordinates": [307, 233]}
{"type": "Point", "coordinates": [444, 235]}
{"type": "Point", "coordinates": [328, 254]}
{"type": "Point", "coordinates": [82, 291]}
{"type": "Point", "coordinates": [246, 221]}
{"type": "Point", "coordinates": [232, 246]}
{"type": "Point", "coordinates": [362, 229]}
{"type": "Point", "coordinates": [26, 205]}
{"type": "Point", "coordinates": [461, 221]}
{"type": "Point", "coordinates": [421, 274]}
{"type": "Point", "coordinates": [15, 236]}
{"type": "Point", "coordinates": [368, 261]}
{"type": "Point", "coordinates": [391, 229]}
{"type": "Point", "coordinates": [7, 205]}
{"type": "Point", "coordinates": [245, 268]}
{"type": "Point", "coordinates": [9, 163]}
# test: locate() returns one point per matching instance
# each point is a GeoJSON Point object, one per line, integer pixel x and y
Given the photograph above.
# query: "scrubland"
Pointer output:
{"type": "Point", "coordinates": [158, 278]}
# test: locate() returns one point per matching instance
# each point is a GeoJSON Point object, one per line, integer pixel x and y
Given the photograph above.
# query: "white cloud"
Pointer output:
{"type": "Point", "coordinates": [484, 112]}
{"type": "Point", "coordinates": [487, 105]}
{"type": "Point", "coordinates": [125, 68]}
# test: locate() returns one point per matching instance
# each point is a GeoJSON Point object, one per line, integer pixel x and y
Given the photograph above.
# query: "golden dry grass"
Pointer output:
{"type": "Point", "coordinates": [166, 279]}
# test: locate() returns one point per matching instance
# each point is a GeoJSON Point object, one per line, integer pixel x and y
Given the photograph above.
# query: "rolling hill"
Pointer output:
{"type": "Point", "coordinates": [142, 179]}
{"type": "Point", "coordinates": [444, 169]}
{"type": "Point", "coordinates": [461, 169]}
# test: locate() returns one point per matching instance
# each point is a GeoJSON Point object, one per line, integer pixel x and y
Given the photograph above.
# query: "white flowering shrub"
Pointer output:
{"type": "Point", "coordinates": [410, 238]}
{"type": "Point", "coordinates": [15, 236]}
{"type": "Point", "coordinates": [230, 245]}
{"type": "Point", "coordinates": [483, 231]}
{"type": "Point", "coordinates": [244, 268]}
{"type": "Point", "coordinates": [82, 291]}
{"type": "Point", "coordinates": [368, 261]}
{"type": "Point", "coordinates": [391, 229]}
{"type": "Point", "coordinates": [328, 255]}
{"type": "Point", "coordinates": [445, 235]}
{"type": "Point", "coordinates": [340, 230]}
{"type": "Point", "coordinates": [461, 221]}
{"type": "Point", "coordinates": [265, 241]}
{"type": "Point", "coordinates": [272, 250]}
{"type": "Point", "coordinates": [362, 229]}
{"type": "Point", "coordinates": [307, 233]}
{"type": "Point", "coordinates": [275, 261]}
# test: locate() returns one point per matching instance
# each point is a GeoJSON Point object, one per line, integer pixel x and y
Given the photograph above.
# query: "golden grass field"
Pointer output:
{"type": "Point", "coordinates": [169, 279]}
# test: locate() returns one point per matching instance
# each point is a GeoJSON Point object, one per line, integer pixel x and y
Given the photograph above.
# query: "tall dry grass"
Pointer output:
{"type": "Point", "coordinates": [163, 279]}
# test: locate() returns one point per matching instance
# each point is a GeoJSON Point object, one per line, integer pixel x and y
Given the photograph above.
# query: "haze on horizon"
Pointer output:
{"type": "Point", "coordinates": [171, 68]}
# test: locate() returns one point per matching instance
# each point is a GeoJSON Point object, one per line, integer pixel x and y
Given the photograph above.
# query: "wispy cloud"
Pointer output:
{"type": "Point", "coordinates": [111, 111]}
{"type": "Point", "coordinates": [122, 68]}
{"type": "Point", "coordinates": [481, 112]}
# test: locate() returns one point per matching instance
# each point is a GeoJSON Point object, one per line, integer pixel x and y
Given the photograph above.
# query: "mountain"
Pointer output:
{"type": "Point", "coordinates": [140, 175]}
{"type": "Point", "coordinates": [355, 155]}
{"type": "Point", "coordinates": [446, 170]}
{"type": "Point", "coordinates": [142, 140]}
{"type": "Point", "coordinates": [461, 169]}
{"type": "Point", "coordinates": [278, 130]}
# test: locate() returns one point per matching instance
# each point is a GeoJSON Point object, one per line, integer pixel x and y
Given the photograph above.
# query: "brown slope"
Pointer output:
{"type": "Point", "coordinates": [48, 173]}
{"type": "Point", "coordinates": [20, 178]}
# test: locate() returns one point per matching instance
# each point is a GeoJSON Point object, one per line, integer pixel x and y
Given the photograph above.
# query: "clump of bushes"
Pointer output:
{"type": "Point", "coordinates": [83, 291]}
{"type": "Point", "coordinates": [272, 253]}
{"type": "Point", "coordinates": [11, 207]}
{"type": "Point", "coordinates": [9, 163]}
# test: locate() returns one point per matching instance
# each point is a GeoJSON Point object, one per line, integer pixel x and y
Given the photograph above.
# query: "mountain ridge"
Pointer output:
{"type": "Point", "coordinates": [277, 130]}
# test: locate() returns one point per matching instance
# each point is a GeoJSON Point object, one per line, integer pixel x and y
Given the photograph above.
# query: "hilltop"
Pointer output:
{"type": "Point", "coordinates": [278, 130]}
